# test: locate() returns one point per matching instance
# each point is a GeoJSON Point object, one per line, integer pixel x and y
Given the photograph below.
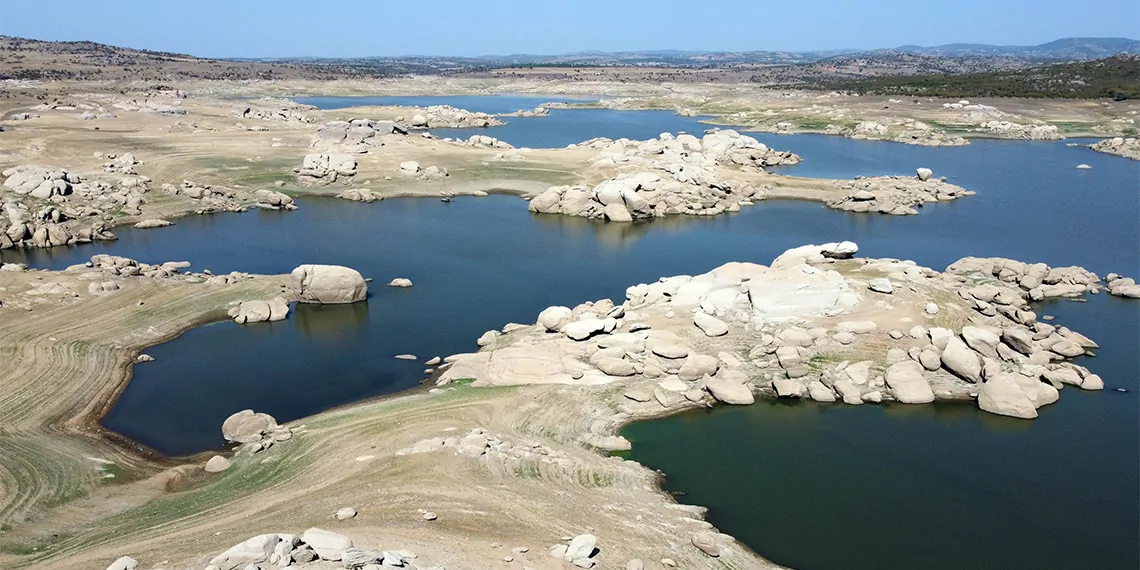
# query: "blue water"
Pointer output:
{"type": "Point", "coordinates": [493, 104]}
{"type": "Point", "coordinates": [812, 487]}
{"type": "Point", "coordinates": [561, 128]}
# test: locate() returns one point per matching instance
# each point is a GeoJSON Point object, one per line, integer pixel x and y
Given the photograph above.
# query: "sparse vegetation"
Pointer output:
{"type": "Point", "coordinates": [1116, 77]}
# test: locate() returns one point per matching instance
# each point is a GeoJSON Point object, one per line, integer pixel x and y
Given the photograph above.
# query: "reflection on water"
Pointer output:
{"type": "Point", "coordinates": [330, 320]}
{"type": "Point", "coordinates": [610, 236]}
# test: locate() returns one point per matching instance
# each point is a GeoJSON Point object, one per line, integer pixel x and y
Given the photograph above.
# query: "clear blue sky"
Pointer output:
{"type": "Point", "coordinates": [275, 28]}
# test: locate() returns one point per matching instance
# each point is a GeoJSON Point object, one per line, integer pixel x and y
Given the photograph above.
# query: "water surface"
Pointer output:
{"type": "Point", "coordinates": [834, 487]}
{"type": "Point", "coordinates": [808, 486]}
{"type": "Point", "coordinates": [560, 128]}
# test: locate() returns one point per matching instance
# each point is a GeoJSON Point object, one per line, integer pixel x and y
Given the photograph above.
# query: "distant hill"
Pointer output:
{"type": "Point", "coordinates": [1116, 77]}
{"type": "Point", "coordinates": [82, 60]}
{"type": "Point", "coordinates": [22, 58]}
{"type": "Point", "coordinates": [1063, 49]}
{"type": "Point", "coordinates": [1067, 49]}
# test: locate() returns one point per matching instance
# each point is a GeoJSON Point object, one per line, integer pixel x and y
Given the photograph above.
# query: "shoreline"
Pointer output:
{"type": "Point", "coordinates": [591, 407]}
{"type": "Point", "coordinates": [558, 429]}
{"type": "Point", "coordinates": [154, 463]}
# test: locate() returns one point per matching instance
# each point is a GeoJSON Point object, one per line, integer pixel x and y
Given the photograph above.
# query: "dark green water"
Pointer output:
{"type": "Point", "coordinates": [826, 487]}
{"type": "Point", "coordinates": [814, 488]}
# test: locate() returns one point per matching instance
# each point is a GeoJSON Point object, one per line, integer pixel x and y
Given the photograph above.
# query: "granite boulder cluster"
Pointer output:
{"type": "Point", "coordinates": [896, 195]}
{"type": "Point", "coordinates": [818, 323]}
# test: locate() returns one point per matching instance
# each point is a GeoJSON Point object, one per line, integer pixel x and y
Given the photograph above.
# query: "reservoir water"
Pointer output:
{"type": "Point", "coordinates": [813, 487]}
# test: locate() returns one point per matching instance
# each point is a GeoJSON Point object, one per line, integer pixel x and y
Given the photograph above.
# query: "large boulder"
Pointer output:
{"type": "Point", "coordinates": [908, 384]}
{"type": "Point", "coordinates": [981, 340]}
{"type": "Point", "coordinates": [124, 563]}
{"type": "Point", "coordinates": [581, 549]}
{"type": "Point", "coordinates": [583, 329]}
{"type": "Point", "coordinates": [253, 551]}
{"type": "Point", "coordinates": [617, 213]}
{"type": "Point", "coordinates": [548, 202]}
{"type": "Point", "coordinates": [1004, 396]}
{"type": "Point", "coordinates": [961, 360]}
{"type": "Point", "coordinates": [327, 544]}
{"type": "Point", "coordinates": [275, 309]}
{"type": "Point", "coordinates": [612, 366]}
{"type": "Point", "coordinates": [329, 284]}
{"type": "Point", "coordinates": [217, 464]}
{"type": "Point", "coordinates": [696, 366]}
{"type": "Point", "coordinates": [1019, 339]}
{"type": "Point", "coordinates": [729, 391]}
{"type": "Point", "coordinates": [709, 324]}
{"type": "Point", "coordinates": [246, 426]}
{"type": "Point", "coordinates": [554, 318]}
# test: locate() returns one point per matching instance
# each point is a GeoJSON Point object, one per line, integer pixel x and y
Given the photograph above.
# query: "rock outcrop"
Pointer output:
{"type": "Point", "coordinates": [1033, 132]}
{"type": "Point", "coordinates": [689, 157]}
{"type": "Point", "coordinates": [640, 196]}
{"type": "Point", "coordinates": [321, 548]}
{"type": "Point", "coordinates": [41, 182]}
{"type": "Point", "coordinates": [1120, 146]}
{"type": "Point", "coordinates": [360, 195]}
{"type": "Point", "coordinates": [358, 136]}
{"type": "Point", "coordinates": [896, 195]}
{"type": "Point", "coordinates": [1035, 280]}
{"type": "Point", "coordinates": [1122, 286]}
{"type": "Point", "coordinates": [446, 116]}
{"type": "Point", "coordinates": [808, 326]}
{"type": "Point", "coordinates": [275, 109]}
{"type": "Point", "coordinates": [273, 200]}
{"type": "Point", "coordinates": [245, 312]}
{"type": "Point", "coordinates": [324, 169]}
{"type": "Point", "coordinates": [329, 284]}
{"type": "Point", "coordinates": [257, 431]}
{"type": "Point", "coordinates": [906, 131]}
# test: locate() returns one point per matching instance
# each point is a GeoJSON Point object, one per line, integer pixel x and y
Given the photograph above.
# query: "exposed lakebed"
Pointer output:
{"type": "Point", "coordinates": [809, 486]}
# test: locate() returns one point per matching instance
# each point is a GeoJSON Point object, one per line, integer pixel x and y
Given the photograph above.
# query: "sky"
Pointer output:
{"type": "Point", "coordinates": [357, 28]}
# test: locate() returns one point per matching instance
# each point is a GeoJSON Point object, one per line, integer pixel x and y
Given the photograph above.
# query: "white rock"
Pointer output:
{"type": "Point", "coordinates": [1003, 395]}
{"type": "Point", "coordinates": [253, 551]}
{"type": "Point", "coordinates": [554, 318]}
{"type": "Point", "coordinates": [327, 544]}
{"type": "Point", "coordinates": [217, 464]}
{"type": "Point", "coordinates": [581, 547]}
{"type": "Point", "coordinates": [908, 384]}
{"type": "Point", "coordinates": [881, 285]}
{"type": "Point", "coordinates": [581, 330]}
{"type": "Point", "coordinates": [709, 324]}
{"type": "Point", "coordinates": [124, 563]}
{"type": "Point", "coordinates": [329, 284]}
{"type": "Point", "coordinates": [786, 388]}
{"type": "Point", "coordinates": [729, 391]}
{"type": "Point", "coordinates": [960, 359]}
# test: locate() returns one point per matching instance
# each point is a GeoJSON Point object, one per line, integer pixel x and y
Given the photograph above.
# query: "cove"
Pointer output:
{"type": "Point", "coordinates": [955, 485]}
